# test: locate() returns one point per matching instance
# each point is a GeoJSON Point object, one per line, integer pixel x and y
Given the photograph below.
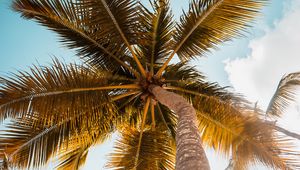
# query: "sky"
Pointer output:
{"type": "Point", "coordinates": [251, 65]}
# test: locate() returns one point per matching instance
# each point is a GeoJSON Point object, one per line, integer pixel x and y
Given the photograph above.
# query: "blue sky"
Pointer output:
{"type": "Point", "coordinates": [243, 64]}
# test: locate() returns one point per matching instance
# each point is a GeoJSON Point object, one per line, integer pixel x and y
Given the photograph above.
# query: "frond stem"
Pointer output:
{"type": "Point", "coordinates": [118, 97]}
{"type": "Point", "coordinates": [146, 107]}
{"type": "Point", "coordinates": [141, 68]}
{"type": "Point", "coordinates": [130, 99]}
{"type": "Point", "coordinates": [154, 35]}
{"type": "Point", "coordinates": [128, 86]}
{"type": "Point", "coordinates": [184, 90]}
{"type": "Point", "coordinates": [152, 115]}
{"type": "Point", "coordinates": [32, 139]}
{"type": "Point", "coordinates": [164, 120]}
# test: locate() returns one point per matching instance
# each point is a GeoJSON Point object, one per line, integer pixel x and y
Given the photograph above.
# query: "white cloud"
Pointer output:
{"type": "Point", "coordinates": [273, 55]}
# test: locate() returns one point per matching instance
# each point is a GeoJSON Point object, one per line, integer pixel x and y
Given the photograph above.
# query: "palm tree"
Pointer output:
{"type": "Point", "coordinates": [126, 84]}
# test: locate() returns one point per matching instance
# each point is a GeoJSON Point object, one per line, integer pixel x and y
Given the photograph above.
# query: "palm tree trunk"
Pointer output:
{"type": "Point", "coordinates": [190, 154]}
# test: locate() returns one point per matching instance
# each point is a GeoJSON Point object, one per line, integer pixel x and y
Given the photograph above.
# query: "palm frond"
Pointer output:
{"type": "Point", "coordinates": [28, 142]}
{"type": "Point", "coordinates": [74, 153]}
{"type": "Point", "coordinates": [73, 159]}
{"type": "Point", "coordinates": [209, 23]}
{"type": "Point", "coordinates": [3, 162]}
{"type": "Point", "coordinates": [69, 19]}
{"type": "Point", "coordinates": [183, 74]}
{"type": "Point", "coordinates": [156, 41]}
{"type": "Point", "coordinates": [263, 145]}
{"type": "Point", "coordinates": [220, 119]}
{"type": "Point", "coordinates": [284, 94]}
{"type": "Point", "coordinates": [119, 21]}
{"type": "Point", "coordinates": [57, 89]}
{"type": "Point", "coordinates": [156, 151]}
{"type": "Point", "coordinates": [17, 145]}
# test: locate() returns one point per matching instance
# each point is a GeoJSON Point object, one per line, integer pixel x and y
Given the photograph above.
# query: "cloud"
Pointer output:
{"type": "Point", "coordinates": [273, 55]}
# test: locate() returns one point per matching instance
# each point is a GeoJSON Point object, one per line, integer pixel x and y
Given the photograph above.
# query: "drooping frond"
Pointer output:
{"type": "Point", "coordinates": [73, 159]}
{"type": "Point", "coordinates": [284, 94]}
{"type": "Point", "coordinates": [265, 146]}
{"type": "Point", "coordinates": [14, 139]}
{"type": "Point", "coordinates": [74, 152]}
{"type": "Point", "coordinates": [156, 151]}
{"type": "Point", "coordinates": [155, 44]}
{"type": "Point", "coordinates": [75, 23]}
{"type": "Point", "coordinates": [58, 91]}
{"type": "Point", "coordinates": [218, 110]}
{"type": "Point", "coordinates": [220, 119]}
{"type": "Point", "coordinates": [28, 142]}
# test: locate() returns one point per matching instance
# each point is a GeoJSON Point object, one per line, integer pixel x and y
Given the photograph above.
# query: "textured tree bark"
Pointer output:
{"type": "Point", "coordinates": [190, 154]}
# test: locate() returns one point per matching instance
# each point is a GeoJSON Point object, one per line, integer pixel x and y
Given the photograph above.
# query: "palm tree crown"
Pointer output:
{"type": "Point", "coordinates": [60, 111]}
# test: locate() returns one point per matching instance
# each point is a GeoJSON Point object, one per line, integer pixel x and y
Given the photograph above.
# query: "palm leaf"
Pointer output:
{"type": "Point", "coordinates": [68, 19]}
{"type": "Point", "coordinates": [284, 94]}
{"type": "Point", "coordinates": [220, 119]}
{"type": "Point", "coordinates": [156, 151]}
{"type": "Point", "coordinates": [156, 41]}
{"type": "Point", "coordinates": [57, 89]}
{"type": "Point", "coordinates": [4, 162]}
{"type": "Point", "coordinates": [264, 146]}
{"type": "Point", "coordinates": [182, 73]}
{"type": "Point", "coordinates": [119, 21]}
{"type": "Point", "coordinates": [30, 143]}
{"type": "Point", "coordinates": [18, 143]}
{"type": "Point", "coordinates": [74, 153]}
{"type": "Point", "coordinates": [73, 159]}
{"type": "Point", "coordinates": [209, 23]}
